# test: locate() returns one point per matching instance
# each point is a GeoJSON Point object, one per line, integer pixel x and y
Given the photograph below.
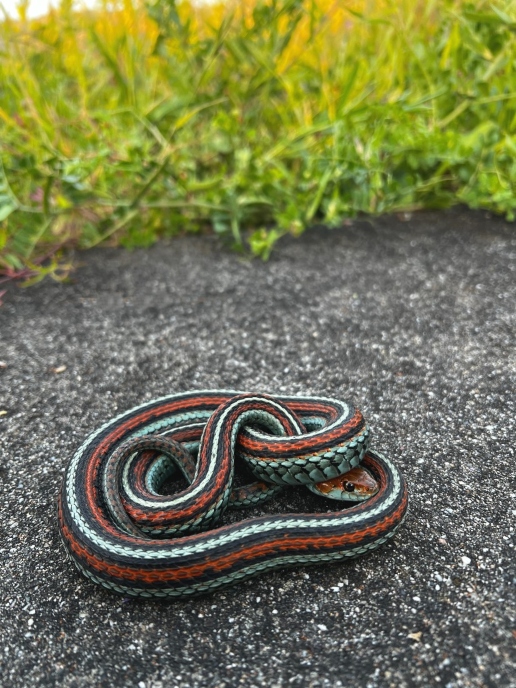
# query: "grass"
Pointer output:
{"type": "Point", "coordinates": [251, 118]}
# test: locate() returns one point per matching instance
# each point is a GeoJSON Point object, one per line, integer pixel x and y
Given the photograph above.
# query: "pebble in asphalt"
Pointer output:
{"type": "Point", "coordinates": [414, 321]}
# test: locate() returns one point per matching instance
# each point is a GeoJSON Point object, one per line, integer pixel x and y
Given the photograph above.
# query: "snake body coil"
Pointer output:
{"type": "Point", "coordinates": [124, 535]}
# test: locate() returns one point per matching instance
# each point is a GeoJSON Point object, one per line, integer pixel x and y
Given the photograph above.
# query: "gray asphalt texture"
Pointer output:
{"type": "Point", "coordinates": [413, 319]}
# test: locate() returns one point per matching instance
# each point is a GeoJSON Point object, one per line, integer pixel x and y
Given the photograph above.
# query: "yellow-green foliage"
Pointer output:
{"type": "Point", "coordinates": [254, 118]}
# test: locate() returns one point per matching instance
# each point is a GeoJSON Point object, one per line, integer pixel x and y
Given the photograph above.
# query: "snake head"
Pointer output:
{"type": "Point", "coordinates": [354, 486]}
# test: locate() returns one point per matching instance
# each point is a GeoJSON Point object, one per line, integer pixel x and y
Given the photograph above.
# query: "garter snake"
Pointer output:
{"type": "Point", "coordinates": [123, 534]}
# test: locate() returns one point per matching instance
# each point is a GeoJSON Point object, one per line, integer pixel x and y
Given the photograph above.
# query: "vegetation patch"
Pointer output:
{"type": "Point", "coordinates": [251, 119]}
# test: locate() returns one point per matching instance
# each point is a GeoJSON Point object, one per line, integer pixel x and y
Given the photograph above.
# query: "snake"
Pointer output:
{"type": "Point", "coordinates": [124, 533]}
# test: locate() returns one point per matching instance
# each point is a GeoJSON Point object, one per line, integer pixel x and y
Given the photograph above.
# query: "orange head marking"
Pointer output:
{"type": "Point", "coordinates": [355, 485]}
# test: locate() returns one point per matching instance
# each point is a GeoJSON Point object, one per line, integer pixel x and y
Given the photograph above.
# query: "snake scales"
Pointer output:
{"type": "Point", "coordinates": [122, 533]}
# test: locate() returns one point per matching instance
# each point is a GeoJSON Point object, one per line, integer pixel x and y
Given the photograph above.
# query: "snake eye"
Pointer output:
{"type": "Point", "coordinates": [349, 487]}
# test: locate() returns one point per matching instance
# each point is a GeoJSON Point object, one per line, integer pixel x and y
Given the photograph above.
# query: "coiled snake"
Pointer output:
{"type": "Point", "coordinates": [123, 534]}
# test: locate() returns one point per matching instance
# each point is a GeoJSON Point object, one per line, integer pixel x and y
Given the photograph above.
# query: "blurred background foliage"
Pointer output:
{"type": "Point", "coordinates": [251, 119]}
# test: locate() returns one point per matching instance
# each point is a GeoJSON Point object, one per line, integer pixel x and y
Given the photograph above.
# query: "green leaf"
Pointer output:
{"type": "Point", "coordinates": [8, 203]}
{"type": "Point", "coordinates": [262, 242]}
{"type": "Point", "coordinates": [7, 206]}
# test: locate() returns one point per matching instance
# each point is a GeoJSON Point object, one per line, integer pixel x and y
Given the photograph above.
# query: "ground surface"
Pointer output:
{"type": "Point", "coordinates": [412, 320]}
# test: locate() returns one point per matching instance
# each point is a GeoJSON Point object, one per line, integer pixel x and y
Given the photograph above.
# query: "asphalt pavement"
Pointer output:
{"type": "Point", "coordinates": [412, 319]}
